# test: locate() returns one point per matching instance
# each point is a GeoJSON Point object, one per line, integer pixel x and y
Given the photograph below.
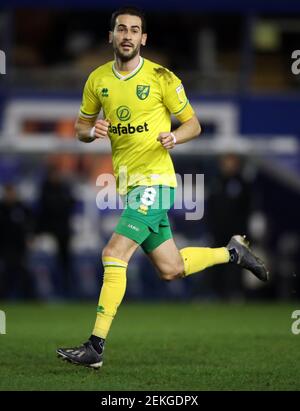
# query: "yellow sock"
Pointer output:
{"type": "Point", "coordinates": [198, 258]}
{"type": "Point", "coordinates": [112, 293]}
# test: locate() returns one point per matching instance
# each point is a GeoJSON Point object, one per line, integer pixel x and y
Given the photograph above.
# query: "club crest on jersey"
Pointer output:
{"type": "Point", "coordinates": [142, 92]}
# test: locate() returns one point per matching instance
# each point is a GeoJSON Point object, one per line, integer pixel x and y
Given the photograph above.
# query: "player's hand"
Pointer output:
{"type": "Point", "coordinates": [101, 128]}
{"type": "Point", "coordinates": [167, 140]}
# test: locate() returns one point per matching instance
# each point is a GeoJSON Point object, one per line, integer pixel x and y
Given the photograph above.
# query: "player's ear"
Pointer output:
{"type": "Point", "coordinates": [110, 36]}
{"type": "Point", "coordinates": [144, 39]}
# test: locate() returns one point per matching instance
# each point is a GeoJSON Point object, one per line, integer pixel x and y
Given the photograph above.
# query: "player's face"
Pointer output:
{"type": "Point", "coordinates": [127, 37]}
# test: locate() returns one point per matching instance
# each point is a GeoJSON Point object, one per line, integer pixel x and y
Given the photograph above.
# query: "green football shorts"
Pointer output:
{"type": "Point", "coordinates": [145, 216]}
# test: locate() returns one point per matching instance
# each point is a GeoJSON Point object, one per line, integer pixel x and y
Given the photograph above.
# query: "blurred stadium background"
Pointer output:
{"type": "Point", "coordinates": [235, 61]}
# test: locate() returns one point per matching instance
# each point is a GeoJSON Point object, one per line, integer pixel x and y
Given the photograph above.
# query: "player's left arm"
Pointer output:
{"type": "Point", "coordinates": [176, 101]}
{"type": "Point", "coordinates": [188, 130]}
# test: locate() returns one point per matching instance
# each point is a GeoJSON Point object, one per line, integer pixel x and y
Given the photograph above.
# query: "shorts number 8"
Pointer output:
{"type": "Point", "coordinates": [148, 197]}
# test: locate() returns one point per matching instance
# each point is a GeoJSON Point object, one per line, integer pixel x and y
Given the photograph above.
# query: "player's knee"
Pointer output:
{"type": "Point", "coordinates": [110, 251]}
{"type": "Point", "coordinates": [172, 272]}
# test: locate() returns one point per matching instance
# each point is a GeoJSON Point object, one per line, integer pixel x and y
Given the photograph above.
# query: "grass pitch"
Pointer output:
{"type": "Point", "coordinates": [154, 347]}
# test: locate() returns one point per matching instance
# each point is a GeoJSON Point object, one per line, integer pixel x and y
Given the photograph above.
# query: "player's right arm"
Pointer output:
{"type": "Point", "coordinates": [88, 131]}
{"type": "Point", "coordinates": [87, 127]}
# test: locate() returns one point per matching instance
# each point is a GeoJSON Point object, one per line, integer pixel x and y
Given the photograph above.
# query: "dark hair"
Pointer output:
{"type": "Point", "coordinates": [132, 11]}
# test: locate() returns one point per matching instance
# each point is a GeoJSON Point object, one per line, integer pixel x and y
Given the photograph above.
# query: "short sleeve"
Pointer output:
{"type": "Point", "coordinates": [90, 105]}
{"type": "Point", "coordinates": [174, 96]}
{"type": "Point", "coordinates": [186, 113]}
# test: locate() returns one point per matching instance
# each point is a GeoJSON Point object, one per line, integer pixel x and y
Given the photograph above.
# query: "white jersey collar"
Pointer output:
{"type": "Point", "coordinates": [131, 74]}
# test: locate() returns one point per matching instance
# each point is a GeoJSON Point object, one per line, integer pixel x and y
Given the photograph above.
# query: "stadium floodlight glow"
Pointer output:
{"type": "Point", "coordinates": [2, 322]}
{"type": "Point", "coordinates": [2, 62]}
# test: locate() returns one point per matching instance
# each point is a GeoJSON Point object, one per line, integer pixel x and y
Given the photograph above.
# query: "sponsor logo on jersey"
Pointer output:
{"type": "Point", "coordinates": [142, 91]}
{"type": "Point", "coordinates": [123, 113]}
{"type": "Point", "coordinates": [128, 129]}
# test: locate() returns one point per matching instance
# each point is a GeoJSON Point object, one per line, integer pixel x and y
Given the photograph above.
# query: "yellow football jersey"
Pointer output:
{"type": "Point", "coordinates": [139, 107]}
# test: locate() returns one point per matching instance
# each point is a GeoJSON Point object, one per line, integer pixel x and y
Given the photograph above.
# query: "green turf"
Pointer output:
{"type": "Point", "coordinates": [154, 347]}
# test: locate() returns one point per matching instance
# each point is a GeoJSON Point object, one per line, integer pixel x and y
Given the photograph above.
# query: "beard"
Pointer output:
{"type": "Point", "coordinates": [126, 57]}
